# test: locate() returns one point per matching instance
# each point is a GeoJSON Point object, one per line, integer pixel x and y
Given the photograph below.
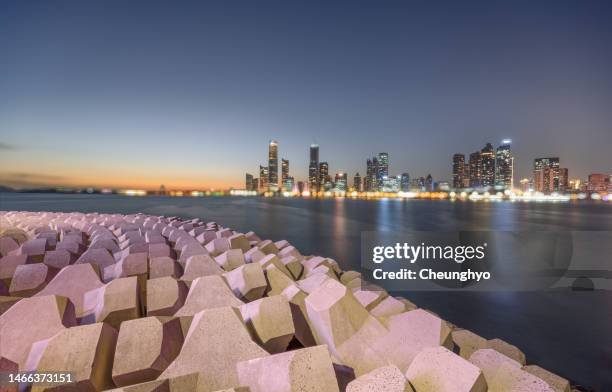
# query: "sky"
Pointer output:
{"type": "Point", "coordinates": [136, 94]}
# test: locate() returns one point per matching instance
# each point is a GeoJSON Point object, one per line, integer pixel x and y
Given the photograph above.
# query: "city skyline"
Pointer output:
{"type": "Point", "coordinates": [95, 94]}
{"type": "Point", "coordinates": [488, 169]}
{"type": "Point", "coordinates": [267, 176]}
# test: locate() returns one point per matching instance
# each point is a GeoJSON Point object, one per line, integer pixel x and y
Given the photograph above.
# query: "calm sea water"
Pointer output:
{"type": "Point", "coordinates": [569, 333]}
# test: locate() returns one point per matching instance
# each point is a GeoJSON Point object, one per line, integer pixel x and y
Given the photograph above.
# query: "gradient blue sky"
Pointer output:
{"type": "Point", "coordinates": [188, 93]}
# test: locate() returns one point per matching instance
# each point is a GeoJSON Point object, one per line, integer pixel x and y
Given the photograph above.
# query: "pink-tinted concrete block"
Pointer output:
{"type": "Point", "coordinates": [163, 266]}
{"type": "Point", "coordinates": [28, 280]}
{"type": "Point", "coordinates": [145, 348]}
{"type": "Point", "coordinates": [165, 296]}
{"type": "Point", "coordinates": [30, 320]}
{"type": "Point", "coordinates": [7, 244]}
{"type": "Point", "coordinates": [35, 249]}
{"type": "Point", "coordinates": [73, 282]}
{"type": "Point", "coordinates": [8, 265]}
{"type": "Point", "coordinates": [58, 259]}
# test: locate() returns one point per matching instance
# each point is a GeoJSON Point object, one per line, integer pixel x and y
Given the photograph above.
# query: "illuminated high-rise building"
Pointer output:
{"type": "Point", "coordinates": [263, 178]}
{"type": "Point", "coordinates": [357, 183]}
{"type": "Point", "coordinates": [273, 166]}
{"type": "Point", "coordinates": [313, 168]}
{"type": "Point", "coordinates": [285, 174]}
{"type": "Point", "coordinates": [340, 182]}
{"type": "Point", "coordinates": [546, 175]}
{"type": "Point", "coordinates": [255, 184]}
{"type": "Point", "coordinates": [564, 179]}
{"type": "Point", "coordinates": [324, 178]}
{"type": "Point", "coordinates": [475, 165]}
{"type": "Point", "coordinates": [288, 184]}
{"type": "Point", "coordinates": [391, 184]}
{"type": "Point", "coordinates": [466, 175]}
{"type": "Point", "coordinates": [442, 186]}
{"type": "Point", "coordinates": [429, 183]}
{"type": "Point", "coordinates": [525, 185]}
{"type": "Point", "coordinates": [371, 183]}
{"type": "Point", "coordinates": [382, 172]}
{"type": "Point", "coordinates": [458, 170]}
{"type": "Point", "coordinates": [575, 184]}
{"type": "Point", "coordinates": [504, 166]}
{"type": "Point", "coordinates": [421, 183]}
{"type": "Point", "coordinates": [405, 182]}
{"type": "Point", "coordinates": [248, 183]}
{"type": "Point", "coordinates": [598, 182]}
{"type": "Point", "coordinates": [487, 157]}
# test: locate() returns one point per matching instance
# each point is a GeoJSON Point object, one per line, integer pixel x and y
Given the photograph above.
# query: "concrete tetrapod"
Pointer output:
{"type": "Point", "coordinates": [117, 301]}
{"type": "Point", "coordinates": [200, 265]}
{"type": "Point", "coordinates": [384, 379]}
{"type": "Point", "coordinates": [437, 369]}
{"type": "Point", "coordinates": [509, 378]}
{"type": "Point", "coordinates": [271, 322]}
{"type": "Point", "coordinates": [341, 322]}
{"type": "Point", "coordinates": [307, 369]}
{"type": "Point", "coordinates": [557, 383]}
{"type": "Point", "coordinates": [145, 348]}
{"type": "Point", "coordinates": [87, 351]}
{"type": "Point", "coordinates": [208, 292]}
{"type": "Point", "coordinates": [215, 342]}
{"type": "Point", "coordinates": [408, 334]}
{"type": "Point", "coordinates": [490, 361]}
{"type": "Point", "coordinates": [165, 296]}
{"type": "Point", "coordinates": [31, 320]}
{"type": "Point", "coordinates": [29, 279]}
{"type": "Point", "coordinates": [74, 282]}
{"type": "Point", "coordinates": [247, 281]}
{"type": "Point", "coordinates": [468, 342]}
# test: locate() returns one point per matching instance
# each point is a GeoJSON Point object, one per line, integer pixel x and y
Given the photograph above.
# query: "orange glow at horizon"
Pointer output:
{"type": "Point", "coordinates": [115, 178]}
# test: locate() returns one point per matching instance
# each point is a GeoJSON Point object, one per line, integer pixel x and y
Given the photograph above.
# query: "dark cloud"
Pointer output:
{"type": "Point", "coordinates": [29, 180]}
{"type": "Point", "coordinates": [7, 147]}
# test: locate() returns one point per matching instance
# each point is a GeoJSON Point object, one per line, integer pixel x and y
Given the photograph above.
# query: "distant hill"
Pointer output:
{"type": "Point", "coordinates": [6, 189]}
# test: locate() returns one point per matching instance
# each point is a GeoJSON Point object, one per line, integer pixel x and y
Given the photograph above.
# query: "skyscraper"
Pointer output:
{"type": "Point", "coordinates": [458, 170]}
{"type": "Point", "coordinates": [340, 182]}
{"type": "Point", "coordinates": [391, 184]}
{"type": "Point", "coordinates": [285, 174]}
{"type": "Point", "coordinates": [429, 183]}
{"type": "Point", "coordinates": [405, 182]}
{"type": "Point", "coordinates": [313, 168]}
{"type": "Point", "coordinates": [546, 175]}
{"type": "Point", "coordinates": [564, 179]}
{"type": "Point", "coordinates": [487, 156]}
{"type": "Point", "coordinates": [421, 183]}
{"type": "Point", "coordinates": [273, 166]}
{"type": "Point", "coordinates": [504, 166]}
{"type": "Point", "coordinates": [475, 170]}
{"type": "Point", "coordinates": [288, 184]}
{"type": "Point", "coordinates": [466, 175]}
{"type": "Point", "coordinates": [598, 182]}
{"type": "Point", "coordinates": [248, 184]}
{"type": "Point", "coordinates": [383, 168]}
{"type": "Point", "coordinates": [263, 178]}
{"type": "Point", "coordinates": [324, 178]}
{"type": "Point", "coordinates": [357, 183]}
{"type": "Point", "coordinates": [371, 184]}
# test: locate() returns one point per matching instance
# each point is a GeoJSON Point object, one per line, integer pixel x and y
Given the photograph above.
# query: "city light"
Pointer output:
{"type": "Point", "coordinates": [487, 176]}
{"type": "Point", "coordinates": [133, 192]}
